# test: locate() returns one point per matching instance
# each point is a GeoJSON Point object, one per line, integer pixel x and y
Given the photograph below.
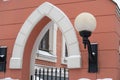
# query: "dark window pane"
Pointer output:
{"type": "Point", "coordinates": [3, 53]}
{"type": "Point", "coordinates": [66, 51]}
{"type": "Point", "coordinates": [2, 66]}
{"type": "Point", "coordinates": [44, 44]}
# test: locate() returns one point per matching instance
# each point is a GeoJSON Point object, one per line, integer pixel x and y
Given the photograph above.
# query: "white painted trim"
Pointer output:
{"type": "Point", "coordinates": [72, 61]}
{"type": "Point", "coordinates": [117, 2]}
{"type": "Point", "coordinates": [53, 38]}
{"type": "Point", "coordinates": [44, 30]}
{"type": "Point", "coordinates": [45, 56]}
{"type": "Point", "coordinates": [56, 15]}
{"type": "Point", "coordinates": [52, 33]}
{"type": "Point", "coordinates": [63, 58]}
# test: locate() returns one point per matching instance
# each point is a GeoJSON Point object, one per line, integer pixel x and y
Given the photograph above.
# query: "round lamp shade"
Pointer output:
{"type": "Point", "coordinates": [85, 21]}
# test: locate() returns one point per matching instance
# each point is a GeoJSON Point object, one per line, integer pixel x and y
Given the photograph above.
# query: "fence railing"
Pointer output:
{"type": "Point", "coordinates": [50, 74]}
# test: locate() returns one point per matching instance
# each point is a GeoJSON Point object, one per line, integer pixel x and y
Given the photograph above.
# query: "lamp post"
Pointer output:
{"type": "Point", "coordinates": [85, 23]}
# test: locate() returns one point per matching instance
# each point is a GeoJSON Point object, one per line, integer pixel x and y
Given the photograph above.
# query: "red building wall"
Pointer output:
{"type": "Point", "coordinates": [13, 13]}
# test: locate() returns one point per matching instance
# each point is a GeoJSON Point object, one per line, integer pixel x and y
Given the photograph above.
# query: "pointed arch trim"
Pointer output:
{"type": "Point", "coordinates": [56, 15]}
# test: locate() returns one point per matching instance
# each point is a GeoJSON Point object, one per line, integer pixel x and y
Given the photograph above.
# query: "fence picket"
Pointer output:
{"type": "Point", "coordinates": [64, 74]}
{"type": "Point", "coordinates": [47, 74]}
{"type": "Point", "coordinates": [43, 74]}
{"type": "Point", "coordinates": [55, 73]}
{"type": "Point", "coordinates": [31, 77]}
{"type": "Point", "coordinates": [60, 74]}
{"type": "Point", "coordinates": [50, 74]}
{"type": "Point", "coordinates": [39, 74]}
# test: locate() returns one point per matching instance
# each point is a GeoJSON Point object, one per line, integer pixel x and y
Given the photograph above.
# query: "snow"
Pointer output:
{"type": "Point", "coordinates": [9, 78]}
{"type": "Point", "coordinates": [37, 78]}
{"type": "Point", "coordinates": [45, 53]}
{"type": "Point", "coordinates": [96, 79]}
{"type": "Point", "coordinates": [18, 79]}
{"type": "Point", "coordinates": [84, 79]}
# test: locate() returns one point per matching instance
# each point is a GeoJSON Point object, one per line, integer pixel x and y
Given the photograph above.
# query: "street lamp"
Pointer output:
{"type": "Point", "coordinates": [85, 23]}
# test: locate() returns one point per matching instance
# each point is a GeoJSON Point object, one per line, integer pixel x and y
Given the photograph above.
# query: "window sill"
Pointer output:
{"type": "Point", "coordinates": [45, 56]}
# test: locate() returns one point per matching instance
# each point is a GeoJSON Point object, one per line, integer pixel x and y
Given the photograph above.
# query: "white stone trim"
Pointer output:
{"type": "Point", "coordinates": [71, 61]}
{"type": "Point", "coordinates": [45, 56]}
{"type": "Point", "coordinates": [117, 2]}
{"type": "Point", "coordinates": [65, 25]}
{"type": "Point", "coordinates": [52, 42]}
{"type": "Point", "coordinates": [70, 36]}
{"type": "Point", "coordinates": [17, 62]}
{"type": "Point", "coordinates": [56, 15]}
{"type": "Point", "coordinates": [63, 58]}
{"type": "Point", "coordinates": [44, 30]}
{"type": "Point", "coordinates": [73, 49]}
{"type": "Point", "coordinates": [52, 38]}
{"type": "Point", "coordinates": [55, 39]}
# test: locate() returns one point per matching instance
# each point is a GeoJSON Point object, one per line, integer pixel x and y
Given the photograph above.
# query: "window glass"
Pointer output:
{"type": "Point", "coordinates": [47, 45]}
{"type": "Point", "coordinates": [44, 44]}
{"type": "Point", "coordinates": [66, 51]}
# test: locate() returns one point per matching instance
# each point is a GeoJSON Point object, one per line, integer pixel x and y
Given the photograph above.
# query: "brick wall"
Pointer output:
{"type": "Point", "coordinates": [13, 13]}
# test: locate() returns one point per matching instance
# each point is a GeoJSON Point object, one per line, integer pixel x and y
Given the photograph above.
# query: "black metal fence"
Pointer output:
{"type": "Point", "coordinates": [50, 74]}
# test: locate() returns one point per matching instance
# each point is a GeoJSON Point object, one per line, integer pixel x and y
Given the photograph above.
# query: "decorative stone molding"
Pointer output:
{"type": "Point", "coordinates": [56, 15]}
{"type": "Point", "coordinates": [117, 2]}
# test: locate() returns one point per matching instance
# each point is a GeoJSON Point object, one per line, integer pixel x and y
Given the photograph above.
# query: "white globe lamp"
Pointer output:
{"type": "Point", "coordinates": [85, 23]}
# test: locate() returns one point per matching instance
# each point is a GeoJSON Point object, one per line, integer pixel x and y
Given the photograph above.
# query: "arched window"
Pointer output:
{"type": "Point", "coordinates": [44, 44]}
{"type": "Point", "coordinates": [47, 46]}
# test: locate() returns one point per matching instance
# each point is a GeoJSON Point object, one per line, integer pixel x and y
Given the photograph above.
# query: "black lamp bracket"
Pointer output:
{"type": "Point", "coordinates": [92, 50]}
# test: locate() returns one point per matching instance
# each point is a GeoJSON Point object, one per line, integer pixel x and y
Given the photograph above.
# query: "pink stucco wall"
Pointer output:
{"type": "Point", "coordinates": [13, 13]}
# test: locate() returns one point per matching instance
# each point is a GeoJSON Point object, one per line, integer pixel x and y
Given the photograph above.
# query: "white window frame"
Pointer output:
{"type": "Point", "coordinates": [49, 56]}
{"type": "Point", "coordinates": [63, 58]}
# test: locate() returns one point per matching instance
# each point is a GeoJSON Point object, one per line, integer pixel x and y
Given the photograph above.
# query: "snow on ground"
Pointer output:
{"type": "Point", "coordinates": [8, 79]}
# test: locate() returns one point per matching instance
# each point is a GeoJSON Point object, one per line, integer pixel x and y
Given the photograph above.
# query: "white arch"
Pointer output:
{"type": "Point", "coordinates": [56, 15]}
{"type": "Point", "coordinates": [117, 2]}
